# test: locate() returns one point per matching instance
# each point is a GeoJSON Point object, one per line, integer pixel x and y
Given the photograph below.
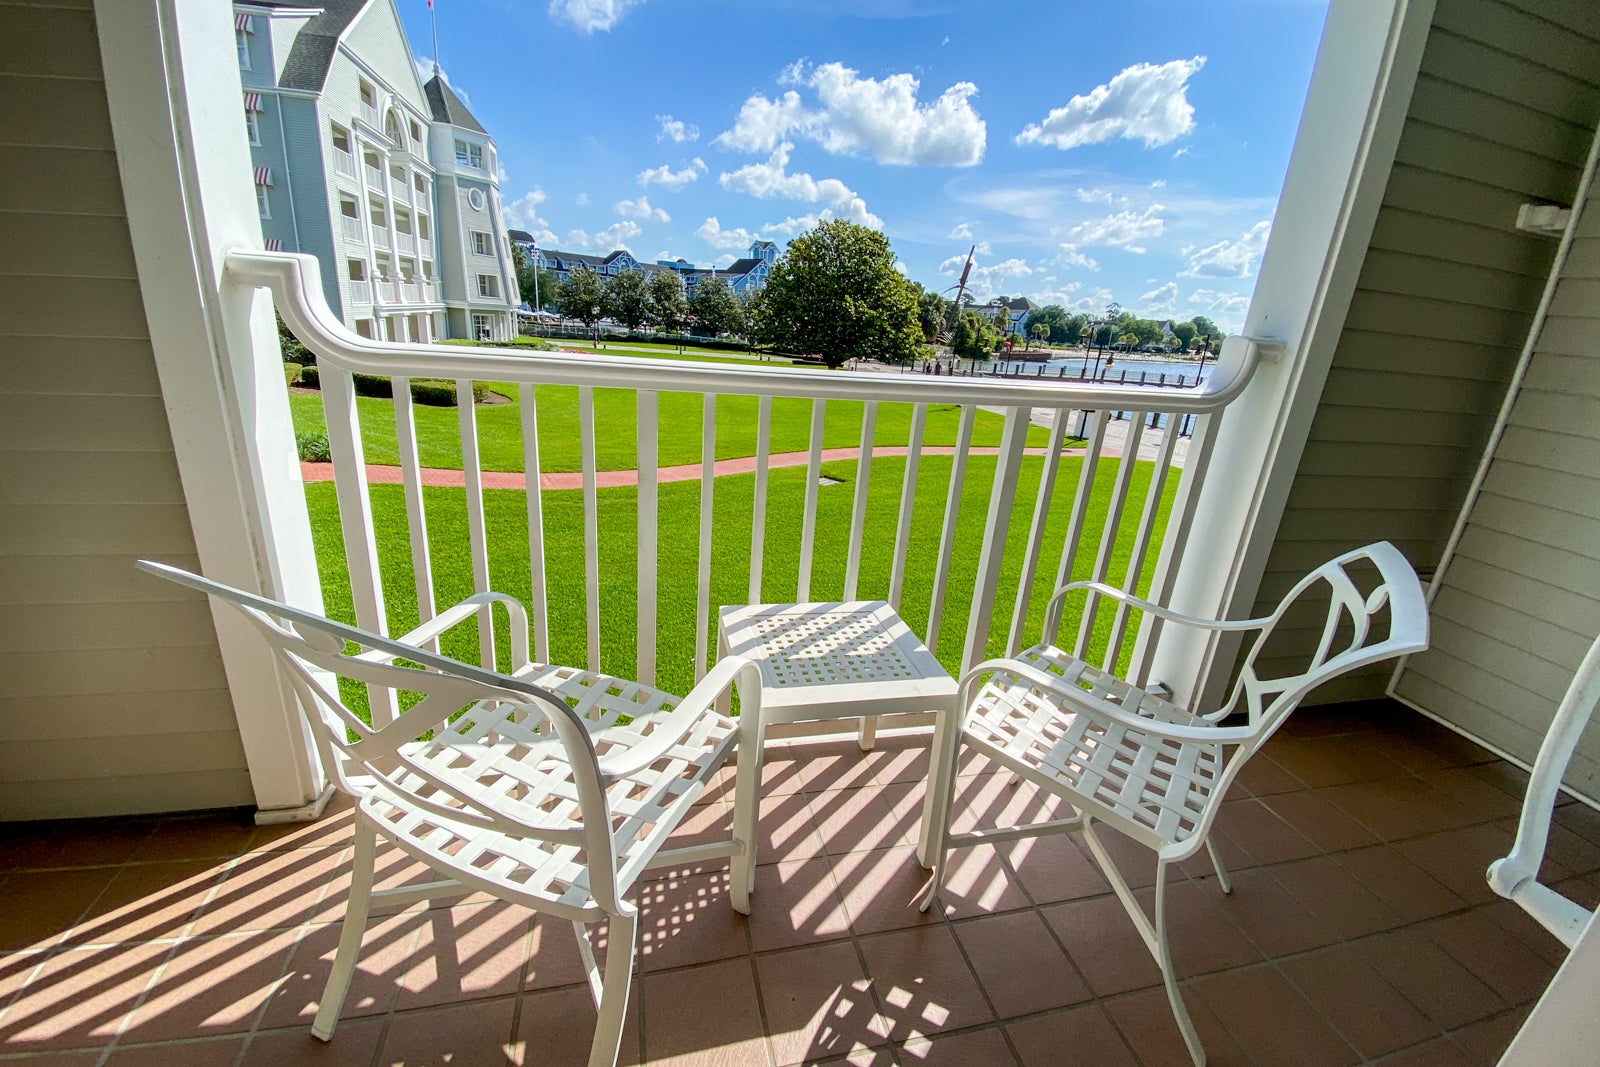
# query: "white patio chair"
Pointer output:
{"type": "Point", "coordinates": [1142, 765]}
{"type": "Point", "coordinates": [1516, 877]}
{"type": "Point", "coordinates": [526, 785]}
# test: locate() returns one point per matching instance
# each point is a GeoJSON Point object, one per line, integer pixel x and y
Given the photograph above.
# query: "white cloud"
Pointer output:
{"type": "Point", "coordinates": [582, 200]}
{"type": "Point", "coordinates": [1119, 230]}
{"type": "Point", "coordinates": [586, 16]}
{"type": "Point", "coordinates": [1160, 302]}
{"type": "Point", "coordinates": [1071, 257]}
{"type": "Point", "coordinates": [790, 226]}
{"type": "Point", "coordinates": [676, 130]}
{"type": "Point", "coordinates": [859, 115]}
{"type": "Point", "coordinates": [772, 179]}
{"type": "Point", "coordinates": [1230, 259]}
{"type": "Point", "coordinates": [724, 261]}
{"type": "Point", "coordinates": [712, 233]}
{"type": "Point", "coordinates": [1185, 150]}
{"type": "Point", "coordinates": [640, 209]}
{"type": "Point", "coordinates": [1226, 308]}
{"type": "Point", "coordinates": [1144, 102]}
{"type": "Point", "coordinates": [988, 280]}
{"type": "Point", "coordinates": [613, 237]}
{"type": "Point", "coordinates": [1159, 183]}
{"type": "Point", "coordinates": [1098, 195]}
{"type": "Point", "coordinates": [674, 179]}
{"type": "Point", "coordinates": [523, 214]}
{"type": "Point", "coordinates": [962, 232]}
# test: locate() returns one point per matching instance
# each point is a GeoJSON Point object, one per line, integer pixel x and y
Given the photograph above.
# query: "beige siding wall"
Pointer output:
{"type": "Point", "coordinates": [1502, 115]}
{"type": "Point", "coordinates": [112, 694]}
{"type": "Point", "coordinates": [1520, 601]}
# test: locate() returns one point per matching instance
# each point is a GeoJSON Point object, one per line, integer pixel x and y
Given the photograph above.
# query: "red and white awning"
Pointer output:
{"type": "Point", "coordinates": [274, 244]}
{"type": "Point", "coordinates": [242, 24]}
{"type": "Point", "coordinates": [252, 101]}
{"type": "Point", "coordinates": [263, 175]}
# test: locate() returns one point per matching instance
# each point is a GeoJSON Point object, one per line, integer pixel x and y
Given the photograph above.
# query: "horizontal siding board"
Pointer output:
{"type": "Point", "coordinates": [82, 672]}
{"type": "Point", "coordinates": [1470, 200]}
{"type": "Point", "coordinates": [1571, 335]}
{"type": "Point", "coordinates": [1466, 713]}
{"type": "Point", "coordinates": [1434, 357]}
{"type": "Point", "coordinates": [83, 308]}
{"type": "Point", "coordinates": [1552, 372]}
{"type": "Point", "coordinates": [1495, 581]}
{"type": "Point", "coordinates": [91, 478]}
{"type": "Point", "coordinates": [1525, 670]}
{"type": "Point", "coordinates": [1504, 122]}
{"type": "Point", "coordinates": [83, 424]}
{"type": "Point", "coordinates": [1536, 38]}
{"type": "Point", "coordinates": [120, 757]}
{"type": "Point", "coordinates": [68, 365]}
{"type": "Point", "coordinates": [88, 580]}
{"type": "Point", "coordinates": [95, 530]}
{"type": "Point", "coordinates": [1535, 528]}
{"type": "Point", "coordinates": [1557, 412]}
{"type": "Point", "coordinates": [1575, 493]}
{"type": "Point", "coordinates": [1340, 456]}
{"type": "Point", "coordinates": [61, 718]}
{"type": "Point", "coordinates": [77, 181]}
{"type": "Point", "coordinates": [1497, 72]}
{"type": "Point", "coordinates": [1553, 566]}
{"type": "Point", "coordinates": [50, 627]}
{"type": "Point", "coordinates": [1460, 154]}
{"type": "Point", "coordinates": [1531, 633]}
{"type": "Point", "coordinates": [53, 42]}
{"type": "Point", "coordinates": [1583, 257]}
{"type": "Point", "coordinates": [179, 790]}
{"type": "Point", "coordinates": [1577, 298]}
{"type": "Point", "coordinates": [1394, 390]}
{"type": "Point", "coordinates": [53, 112]}
{"type": "Point", "coordinates": [1361, 489]}
{"type": "Point", "coordinates": [1415, 316]}
{"type": "Point", "coordinates": [1515, 701]}
{"type": "Point", "coordinates": [1498, 248]}
{"type": "Point", "coordinates": [1338, 422]}
{"type": "Point", "coordinates": [1355, 524]}
{"type": "Point", "coordinates": [1545, 448]}
{"type": "Point", "coordinates": [79, 246]}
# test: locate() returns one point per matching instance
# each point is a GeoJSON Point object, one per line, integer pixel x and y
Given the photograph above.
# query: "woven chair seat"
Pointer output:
{"type": "Point", "coordinates": [488, 754]}
{"type": "Point", "coordinates": [1151, 788]}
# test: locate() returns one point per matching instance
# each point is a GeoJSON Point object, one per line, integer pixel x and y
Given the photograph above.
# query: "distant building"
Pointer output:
{"type": "Point", "coordinates": [1016, 312]}
{"type": "Point", "coordinates": [391, 183]}
{"type": "Point", "coordinates": [742, 275]}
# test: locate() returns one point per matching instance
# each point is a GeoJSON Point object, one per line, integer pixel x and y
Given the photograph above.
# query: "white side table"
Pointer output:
{"type": "Point", "coordinates": [828, 661]}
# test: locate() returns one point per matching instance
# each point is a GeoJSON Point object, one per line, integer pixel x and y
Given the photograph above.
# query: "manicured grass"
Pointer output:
{"type": "Point", "coordinates": [655, 350]}
{"type": "Point", "coordinates": [506, 517]}
{"type": "Point", "coordinates": [679, 420]}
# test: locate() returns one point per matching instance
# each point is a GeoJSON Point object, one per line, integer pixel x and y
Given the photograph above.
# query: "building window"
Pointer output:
{"type": "Point", "coordinates": [469, 155]}
{"type": "Point", "coordinates": [416, 133]}
{"type": "Point", "coordinates": [242, 42]}
{"type": "Point", "coordinates": [488, 287]}
{"type": "Point", "coordinates": [476, 200]}
{"type": "Point", "coordinates": [481, 244]}
{"type": "Point", "coordinates": [262, 205]}
{"type": "Point", "coordinates": [481, 330]}
{"type": "Point", "coordinates": [369, 95]}
{"type": "Point", "coordinates": [252, 125]}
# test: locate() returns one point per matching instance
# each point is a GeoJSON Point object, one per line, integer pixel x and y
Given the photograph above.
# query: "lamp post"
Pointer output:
{"type": "Point", "coordinates": [1205, 347]}
{"type": "Point", "coordinates": [536, 307]}
{"type": "Point", "coordinates": [1094, 328]}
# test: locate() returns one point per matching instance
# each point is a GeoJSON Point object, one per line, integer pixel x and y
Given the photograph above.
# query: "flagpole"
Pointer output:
{"type": "Point", "coordinates": [433, 18]}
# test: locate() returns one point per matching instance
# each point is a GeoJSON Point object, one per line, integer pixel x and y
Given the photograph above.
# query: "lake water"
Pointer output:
{"type": "Point", "coordinates": [1077, 366]}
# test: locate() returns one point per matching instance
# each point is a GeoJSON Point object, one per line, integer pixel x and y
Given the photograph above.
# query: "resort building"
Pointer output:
{"type": "Point", "coordinates": [745, 275]}
{"type": "Point", "coordinates": [390, 183]}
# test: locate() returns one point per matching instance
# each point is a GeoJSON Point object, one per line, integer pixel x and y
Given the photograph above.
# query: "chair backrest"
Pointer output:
{"type": "Point", "coordinates": [482, 704]}
{"type": "Point", "coordinates": [1375, 610]}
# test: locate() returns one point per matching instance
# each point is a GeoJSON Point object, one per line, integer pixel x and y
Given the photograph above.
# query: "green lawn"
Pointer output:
{"type": "Point", "coordinates": [678, 418]}
{"type": "Point", "coordinates": [656, 350]}
{"type": "Point", "coordinates": [679, 505]}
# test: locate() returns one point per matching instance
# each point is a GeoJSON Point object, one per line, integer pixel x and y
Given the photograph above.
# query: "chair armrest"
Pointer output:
{"type": "Point", "coordinates": [670, 730]}
{"type": "Point", "coordinates": [1155, 609]}
{"type": "Point", "coordinates": [468, 609]}
{"type": "Point", "coordinates": [1081, 700]}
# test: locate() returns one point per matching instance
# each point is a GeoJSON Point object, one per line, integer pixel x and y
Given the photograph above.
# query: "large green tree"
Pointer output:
{"type": "Point", "coordinates": [716, 308]}
{"type": "Point", "coordinates": [666, 300]}
{"type": "Point", "coordinates": [625, 298]}
{"type": "Point", "coordinates": [972, 338]}
{"type": "Point", "coordinates": [581, 297]}
{"type": "Point", "coordinates": [836, 293]}
{"type": "Point", "coordinates": [1184, 332]}
{"type": "Point", "coordinates": [933, 313]}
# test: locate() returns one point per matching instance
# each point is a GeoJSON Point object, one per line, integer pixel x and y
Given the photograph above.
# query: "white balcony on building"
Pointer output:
{"type": "Point", "coordinates": [344, 163]}
{"type": "Point", "coordinates": [380, 236]}
{"type": "Point", "coordinates": [360, 292]}
{"type": "Point", "coordinates": [351, 227]}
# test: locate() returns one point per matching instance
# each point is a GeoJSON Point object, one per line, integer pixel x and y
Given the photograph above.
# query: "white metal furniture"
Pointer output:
{"type": "Point", "coordinates": [824, 661]}
{"type": "Point", "coordinates": [1144, 766]}
{"type": "Point", "coordinates": [523, 785]}
{"type": "Point", "coordinates": [1516, 877]}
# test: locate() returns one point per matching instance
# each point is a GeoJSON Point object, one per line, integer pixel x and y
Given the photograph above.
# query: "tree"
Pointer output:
{"type": "Point", "coordinates": [1145, 331]}
{"type": "Point", "coordinates": [1041, 331]}
{"type": "Point", "coordinates": [666, 300]}
{"type": "Point", "coordinates": [972, 339]}
{"type": "Point", "coordinates": [625, 298]}
{"type": "Point", "coordinates": [716, 308]}
{"type": "Point", "coordinates": [836, 292]}
{"type": "Point", "coordinates": [537, 285]}
{"type": "Point", "coordinates": [933, 314]}
{"type": "Point", "coordinates": [580, 297]}
{"type": "Point", "coordinates": [1185, 333]}
{"type": "Point", "coordinates": [1204, 326]}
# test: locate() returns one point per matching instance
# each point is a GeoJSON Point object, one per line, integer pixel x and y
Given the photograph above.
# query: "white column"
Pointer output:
{"type": "Point", "coordinates": [172, 83]}
{"type": "Point", "coordinates": [1360, 90]}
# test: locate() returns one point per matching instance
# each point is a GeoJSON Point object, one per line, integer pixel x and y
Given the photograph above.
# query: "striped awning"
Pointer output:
{"type": "Point", "coordinates": [263, 175]}
{"type": "Point", "coordinates": [252, 101]}
{"type": "Point", "coordinates": [242, 24]}
{"type": "Point", "coordinates": [274, 244]}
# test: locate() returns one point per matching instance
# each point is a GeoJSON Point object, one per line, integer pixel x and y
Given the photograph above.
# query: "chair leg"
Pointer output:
{"type": "Point", "coordinates": [1216, 862]}
{"type": "Point", "coordinates": [937, 811]}
{"type": "Point", "coordinates": [1168, 977]}
{"type": "Point", "coordinates": [613, 1003]}
{"type": "Point", "coordinates": [746, 812]}
{"type": "Point", "coordinates": [350, 933]}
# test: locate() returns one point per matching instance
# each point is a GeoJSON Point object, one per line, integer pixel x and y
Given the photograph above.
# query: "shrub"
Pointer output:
{"type": "Point", "coordinates": [291, 373]}
{"type": "Point", "coordinates": [313, 447]}
{"type": "Point", "coordinates": [373, 385]}
{"type": "Point", "coordinates": [310, 377]}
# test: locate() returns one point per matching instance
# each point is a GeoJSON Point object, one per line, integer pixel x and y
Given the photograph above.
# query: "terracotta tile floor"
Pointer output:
{"type": "Point", "coordinates": [1359, 931]}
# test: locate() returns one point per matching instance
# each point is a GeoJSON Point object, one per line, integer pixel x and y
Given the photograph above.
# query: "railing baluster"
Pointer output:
{"type": "Point", "coordinates": [808, 524]}
{"type": "Point", "coordinates": [1041, 516]}
{"type": "Point", "coordinates": [1108, 532]}
{"type": "Point", "coordinates": [858, 518]}
{"type": "Point", "coordinates": [1076, 518]}
{"type": "Point", "coordinates": [591, 524]}
{"type": "Point", "coordinates": [355, 517]}
{"type": "Point", "coordinates": [539, 615]}
{"type": "Point", "coordinates": [1141, 538]}
{"type": "Point", "coordinates": [952, 512]}
{"type": "Point", "coordinates": [708, 482]}
{"type": "Point", "coordinates": [908, 500]}
{"type": "Point", "coordinates": [758, 512]}
{"type": "Point", "coordinates": [648, 450]}
{"type": "Point", "coordinates": [405, 428]}
{"type": "Point", "coordinates": [1007, 466]}
{"type": "Point", "coordinates": [477, 530]}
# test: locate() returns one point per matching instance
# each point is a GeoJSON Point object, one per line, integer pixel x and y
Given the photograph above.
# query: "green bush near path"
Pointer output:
{"type": "Point", "coordinates": [506, 518]}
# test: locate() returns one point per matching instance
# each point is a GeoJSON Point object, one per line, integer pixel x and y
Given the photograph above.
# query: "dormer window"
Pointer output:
{"type": "Point", "coordinates": [369, 95]}
{"type": "Point", "coordinates": [469, 155]}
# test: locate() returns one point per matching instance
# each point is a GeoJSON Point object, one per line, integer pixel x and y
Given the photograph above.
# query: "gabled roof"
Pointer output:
{"type": "Point", "coordinates": [312, 54]}
{"type": "Point", "coordinates": [520, 236]}
{"type": "Point", "coordinates": [447, 106]}
{"type": "Point", "coordinates": [741, 266]}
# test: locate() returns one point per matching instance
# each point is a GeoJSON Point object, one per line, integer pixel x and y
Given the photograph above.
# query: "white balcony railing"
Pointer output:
{"type": "Point", "coordinates": [344, 163]}
{"type": "Point", "coordinates": [430, 292]}
{"type": "Point", "coordinates": [369, 115]}
{"type": "Point", "coordinates": [360, 292]}
{"type": "Point", "coordinates": [388, 291]}
{"type": "Point", "coordinates": [352, 228]}
{"type": "Point", "coordinates": [411, 292]}
{"type": "Point", "coordinates": [1092, 517]}
{"type": "Point", "coordinates": [375, 179]}
{"type": "Point", "coordinates": [424, 248]}
{"type": "Point", "coordinates": [380, 235]}
{"type": "Point", "coordinates": [405, 242]}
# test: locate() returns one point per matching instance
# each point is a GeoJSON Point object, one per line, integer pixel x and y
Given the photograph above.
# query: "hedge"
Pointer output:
{"type": "Point", "coordinates": [439, 392]}
{"type": "Point", "coordinates": [292, 372]}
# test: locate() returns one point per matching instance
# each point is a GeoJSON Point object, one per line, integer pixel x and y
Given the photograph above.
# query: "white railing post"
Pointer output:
{"type": "Point", "coordinates": [477, 527]}
{"type": "Point", "coordinates": [646, 453]}
{"type": "Point", "coordinates": [1001, 496]}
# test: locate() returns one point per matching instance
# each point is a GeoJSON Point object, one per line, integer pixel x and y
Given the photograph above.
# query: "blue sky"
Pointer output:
{"type": "Point", "coordinates": [1092, 151]}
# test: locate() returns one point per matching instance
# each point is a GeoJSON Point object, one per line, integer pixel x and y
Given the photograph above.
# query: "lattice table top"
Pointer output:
{"type": "Point", "coordinates": [858, 652]}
